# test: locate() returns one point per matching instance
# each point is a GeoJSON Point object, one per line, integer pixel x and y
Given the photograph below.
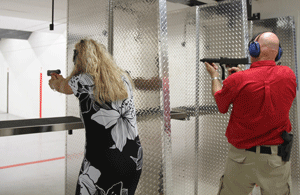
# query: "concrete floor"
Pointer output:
{"type": "Point", "coordinates": [35, 164]}
{"type": "Point", "coordinates": [32, 164]}
{"type": "Point", "coordinates": [4, 116]}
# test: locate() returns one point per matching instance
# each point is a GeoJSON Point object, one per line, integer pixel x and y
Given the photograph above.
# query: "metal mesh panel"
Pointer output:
{"type": "Point", "coordinates": [86, 19]}
{"type": "Point", "coordinates": [284, 28]}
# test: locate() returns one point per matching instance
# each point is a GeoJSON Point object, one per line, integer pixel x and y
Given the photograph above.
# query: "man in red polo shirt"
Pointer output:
{"type": "Point", "coordinates": [262, 97]}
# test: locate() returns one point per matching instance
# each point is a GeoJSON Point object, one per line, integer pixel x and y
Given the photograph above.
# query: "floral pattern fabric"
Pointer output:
{"type": "Point", "coordinates": [113, 154]}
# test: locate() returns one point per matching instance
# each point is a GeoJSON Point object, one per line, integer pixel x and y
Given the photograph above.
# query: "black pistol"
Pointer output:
{"type": "Point", "coordinates": [231, 62]}
{"type": "Point", "coordinates": [285, 149]}
{"type": "Point", "coordinates": [49, 72]}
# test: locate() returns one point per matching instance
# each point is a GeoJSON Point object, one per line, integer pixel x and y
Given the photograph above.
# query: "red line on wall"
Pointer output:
{"type": "Point", "coordinates": [30, 163]}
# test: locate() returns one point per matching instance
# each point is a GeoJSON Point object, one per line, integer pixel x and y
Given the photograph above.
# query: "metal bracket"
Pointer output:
{"type": "Point", "coordinates": [255, 16]}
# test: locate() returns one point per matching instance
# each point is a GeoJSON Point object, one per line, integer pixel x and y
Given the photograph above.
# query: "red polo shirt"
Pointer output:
{"type": "Point", "coordinates": [262, 97]}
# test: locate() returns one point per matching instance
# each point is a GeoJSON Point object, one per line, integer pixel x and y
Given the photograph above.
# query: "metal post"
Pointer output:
{"type": "Point", "coordinates": [197, 99]}
{"type": "Point", "coordinates": [7, 100]}
{"type": "Point", "coordinates": [165, 98]}
{"type": "Point", "coordinates": [110, 44]}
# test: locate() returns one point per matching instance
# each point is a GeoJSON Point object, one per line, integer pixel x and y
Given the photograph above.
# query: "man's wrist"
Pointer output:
{"type": "Point", "coordinates": [214, 75]}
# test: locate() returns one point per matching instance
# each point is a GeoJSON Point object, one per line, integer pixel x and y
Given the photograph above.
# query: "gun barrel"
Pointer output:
{"type": "Point", "coordinates": [234, 61]}
{"type": "Point", "coordinates": [210, 60]}
{"type": "Point", "coordinates": [231, 62]}
{"type": "Point", "coordinates": [227, 61]}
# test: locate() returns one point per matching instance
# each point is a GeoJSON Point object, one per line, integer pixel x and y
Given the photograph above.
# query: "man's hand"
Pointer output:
{"type": "Point", "coordinates": [212, 69]}
{"type": "Point", "coordinates": [233, 70]}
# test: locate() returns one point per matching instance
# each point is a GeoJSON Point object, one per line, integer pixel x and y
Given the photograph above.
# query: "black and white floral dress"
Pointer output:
{"type": "Point", "coordinates": [113, 157]}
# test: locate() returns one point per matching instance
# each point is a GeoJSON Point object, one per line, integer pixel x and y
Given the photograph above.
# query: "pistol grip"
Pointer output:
{"type": "Point", "coordinates": [223, 72]}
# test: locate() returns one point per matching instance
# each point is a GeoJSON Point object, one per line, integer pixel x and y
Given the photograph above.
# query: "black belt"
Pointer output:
{"type": "Point", "coordinates": [263, 149]}
{"type": "Point", "coordinates": [284, 150]}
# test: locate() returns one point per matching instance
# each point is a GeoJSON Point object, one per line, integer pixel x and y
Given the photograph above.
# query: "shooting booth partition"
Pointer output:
{"type": "Point", "coordinates": [162, 51]}
{"type": "Point", "coordinates": [135, 33]}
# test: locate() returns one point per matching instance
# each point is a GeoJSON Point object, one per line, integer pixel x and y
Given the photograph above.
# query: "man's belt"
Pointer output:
{"type": "Point", "coordinates": [263, 149]}
{"type": "Point", "coordinates": [284, 150]}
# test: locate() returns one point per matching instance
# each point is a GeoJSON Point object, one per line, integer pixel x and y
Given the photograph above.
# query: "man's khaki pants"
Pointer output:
{"type": "Point", "coordinates": [244, 169]}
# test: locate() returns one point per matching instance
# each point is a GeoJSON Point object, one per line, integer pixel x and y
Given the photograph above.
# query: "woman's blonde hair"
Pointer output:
{"type": "Point", "coordinates": [92, 58]}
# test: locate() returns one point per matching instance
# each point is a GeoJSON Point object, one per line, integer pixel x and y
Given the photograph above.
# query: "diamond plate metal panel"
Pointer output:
{"type": "Point", "coordinates": [199, 146]}
{"type": "Point", "coordinates": [136, 51]}
{"type": "Point", "coordinates": [139, 37]}
{"type": "Point", "coordinates": [284, 28]}
{"type": "Point", "coordinates": [182, 65]}
{"type": "Point", "coordinates": [223, 31]}
{"type": "Point", "coordinates": [165, 98]}
{"type": "Point", "coordinates": [135, 33]}
{"type": "Point", "coordinates": [86, 19]}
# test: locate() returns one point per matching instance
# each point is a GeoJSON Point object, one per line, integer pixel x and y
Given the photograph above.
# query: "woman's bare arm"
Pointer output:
{"type": "Point", "coordinates": [60, 84]}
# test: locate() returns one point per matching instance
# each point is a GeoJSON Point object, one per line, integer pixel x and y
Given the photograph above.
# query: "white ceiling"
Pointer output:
{"type": "Point", "coordinates": [36, 15]}
{"type": "Point", "coordinates": [32, 15]}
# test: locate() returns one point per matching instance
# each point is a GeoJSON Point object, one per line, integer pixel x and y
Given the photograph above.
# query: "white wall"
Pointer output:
{"type": "Point", "coordinates": [3, 83]}
{"type": "Point", "coordinates": [25, 60]}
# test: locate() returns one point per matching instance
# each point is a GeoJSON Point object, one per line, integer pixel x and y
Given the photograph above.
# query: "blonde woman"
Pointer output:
{"type": "Point", "coordinates": [113, 154]}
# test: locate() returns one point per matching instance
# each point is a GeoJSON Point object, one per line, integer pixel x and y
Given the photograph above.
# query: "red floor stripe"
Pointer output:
{"type": "Point", "coordinates": [30, 163]}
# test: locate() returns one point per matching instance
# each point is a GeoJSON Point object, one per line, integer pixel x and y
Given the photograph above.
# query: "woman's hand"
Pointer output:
{"type": "Point", "coordinates": [55, 81]}
{"type": "Point", "coordinates": [60, 84]}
